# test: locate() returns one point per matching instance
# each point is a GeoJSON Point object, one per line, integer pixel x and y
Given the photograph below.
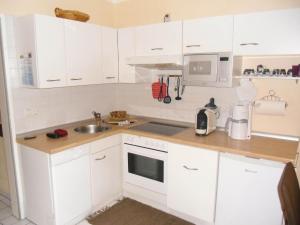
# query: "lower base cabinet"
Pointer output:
{"type": "Point", "coordinates": [56, 186]}
{"type": "Point", "coordinates": [65, 187]}
{"type": "Point", "coordinates": [192, 181]}
{"type": "Point", "coordinates": [247, 191]}
{"type": "Point", "coordinates": [106, 176]}
{"type": "Point", "coordinates": [71, 181]}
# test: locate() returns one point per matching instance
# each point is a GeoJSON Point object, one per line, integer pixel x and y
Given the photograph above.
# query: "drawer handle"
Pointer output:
{"type": "Point", "coordinates": [192, 46]}
{"type": "Point", "coordinates": [188, 168]}
{"type": "Point", "coordinates": [99, 159]}
{"type": "Point", "coordinates": [251, 43]}
{"type": "Point", "coordinates": [76, 78]}
{"type": "Point", "coordinates": [53, 80]}
{"type": "Point", "coordinates": [110, 77]}
{"type": "Point", "coordinates": [251, 171]}
{"type": "Point", "coordinates": [157, 49]}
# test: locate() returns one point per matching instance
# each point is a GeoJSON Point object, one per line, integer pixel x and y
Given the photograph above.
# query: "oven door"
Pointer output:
{"type": "Point", "coordinates": [145, 167]}
{"type": "Point", "coordinates": [200, 68]}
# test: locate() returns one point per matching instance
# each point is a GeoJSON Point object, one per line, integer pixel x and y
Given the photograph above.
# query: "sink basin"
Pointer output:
{"type": "Point", "coordinates": [91, 129]}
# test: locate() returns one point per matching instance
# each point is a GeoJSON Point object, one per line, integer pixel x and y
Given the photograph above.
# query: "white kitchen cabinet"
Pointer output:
{"type": "Point", "coordinates": [106, 171]}
{"type": "Point", "coordinates": [57, 187]}
{"type": "Point", "coordinates": [207, 35]}
{"type": "Point", "coordinates": [159, 39]}
{"type": "Point", "coordinates": [267, 33]}
{"type": "Point", "coordinates": [109, 57]}
{"type": "Point", "coordinates": [83, 53]}
{"type": "Point", "coordinates": [192, 181]}
{"type": "Point", "coordinates": [247, 191]}
{"type": "Point", "coordinates": [126, 46]}
{"type": "Point", "coordinates": [41, 51]}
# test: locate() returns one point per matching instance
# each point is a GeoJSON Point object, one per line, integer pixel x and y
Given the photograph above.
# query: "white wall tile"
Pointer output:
{"type": "Point", "coordinates": [137, 99]}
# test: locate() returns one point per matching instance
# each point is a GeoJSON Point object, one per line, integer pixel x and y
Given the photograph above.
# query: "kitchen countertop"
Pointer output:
{"type": "Point", "coordinates": [258, 147]}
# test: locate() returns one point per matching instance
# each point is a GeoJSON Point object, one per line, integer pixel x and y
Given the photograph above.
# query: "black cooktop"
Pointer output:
{"type": "Point", "coordinates": [159, 128]}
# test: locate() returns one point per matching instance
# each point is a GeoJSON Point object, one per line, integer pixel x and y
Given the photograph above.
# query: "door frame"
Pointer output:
{"type": "Point", "coordinates": [8, 125]}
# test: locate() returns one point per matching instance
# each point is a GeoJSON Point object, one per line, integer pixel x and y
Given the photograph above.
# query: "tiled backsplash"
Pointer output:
{"type": "Point", "coordinates": [41, 108]}
{"type": "Point", "coordinates": [137, 99]}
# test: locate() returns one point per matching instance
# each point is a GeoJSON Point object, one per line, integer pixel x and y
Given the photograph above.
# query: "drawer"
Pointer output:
{"type": "Point", "coordinates": [70, 154]}
{"type": "Point", "coordinates": [105, 143]}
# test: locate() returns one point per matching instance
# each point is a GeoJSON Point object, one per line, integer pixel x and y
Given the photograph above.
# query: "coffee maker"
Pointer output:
{"type": "Point", "coordinates": [206, 118]}
{"type": "Point", "coordinates": [239, 123]}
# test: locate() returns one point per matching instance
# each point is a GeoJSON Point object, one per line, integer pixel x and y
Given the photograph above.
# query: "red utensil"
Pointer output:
{"type": "Point", "coordinates": [159, 89]}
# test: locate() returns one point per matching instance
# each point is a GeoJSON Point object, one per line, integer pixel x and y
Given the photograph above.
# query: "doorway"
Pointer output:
{"type": "Point", "coordinates": [4, 183]}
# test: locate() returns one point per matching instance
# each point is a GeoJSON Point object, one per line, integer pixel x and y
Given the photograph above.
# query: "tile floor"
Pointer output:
{"type": "Point", "coordinates": [6, 217]}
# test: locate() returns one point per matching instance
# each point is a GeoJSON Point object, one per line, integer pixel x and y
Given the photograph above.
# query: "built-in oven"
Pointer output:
{"type": "Point", "coordinates": [213, 69]}
{"type": "Point", "coordinates": [145, 163]}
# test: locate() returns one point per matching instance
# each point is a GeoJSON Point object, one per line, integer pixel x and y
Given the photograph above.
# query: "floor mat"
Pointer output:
{"type": "Point", "coordinates": [130, 212]}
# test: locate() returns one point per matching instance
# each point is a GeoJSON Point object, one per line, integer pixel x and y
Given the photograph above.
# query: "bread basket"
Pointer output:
{"type": "Point", "coordinates": [71, 15]}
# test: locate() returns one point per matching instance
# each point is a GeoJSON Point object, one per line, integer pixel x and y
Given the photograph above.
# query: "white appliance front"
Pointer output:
{"type": "Point", "coordinates": [145, 167]}
{"type": "Point", "coordinates": [201, 67]}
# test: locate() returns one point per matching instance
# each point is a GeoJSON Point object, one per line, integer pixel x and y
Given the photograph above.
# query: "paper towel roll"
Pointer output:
{"type": "Point", "coordinates": [270, 107]}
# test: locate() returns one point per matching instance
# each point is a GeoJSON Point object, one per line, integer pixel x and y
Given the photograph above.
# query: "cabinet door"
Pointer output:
{"type": "Point", "coordinates": [267, 33]}
{"type": "Point", "coordinates": [192, 181]}
{"type": "Point", "coordinates": [126, 45]}
{"type": "Point", "coordinates": [109, 55]}
{"type": "Point", "coordinates": [247, 191]}
{"type": "Point", "coordinates": [83, 49]}
{"type": "Point", "coordinates": [213, 34]}
{"type": "Point", "coordinates": [72, 190]}
{"type": "Point", "coordinates": [159, 39]}
{"type": "Point", "coordinates": [106, 176]}
{"type": "Point", "coordinates": [50, 51]}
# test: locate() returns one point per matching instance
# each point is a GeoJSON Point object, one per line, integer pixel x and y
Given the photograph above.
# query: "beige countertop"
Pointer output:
{"type": "Point", "coordinates": [258, 147]}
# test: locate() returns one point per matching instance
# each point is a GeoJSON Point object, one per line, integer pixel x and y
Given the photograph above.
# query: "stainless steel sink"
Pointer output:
{"type": "Point", "coordinates": [91, 129]}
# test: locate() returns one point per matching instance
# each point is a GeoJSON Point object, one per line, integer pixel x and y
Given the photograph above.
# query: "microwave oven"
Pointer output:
{"type": "Point", "coordinates": [208, 70]}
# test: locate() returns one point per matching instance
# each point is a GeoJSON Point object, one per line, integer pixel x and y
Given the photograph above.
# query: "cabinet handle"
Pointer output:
{"type": "Point", "coordinates": [251, 171]}
{"type": "Point", "coordinates": [157, 49]}
{"type": "Point", "coordinates": [188, 168]}
{"type": "Point", "coordinates": [110, 77]}
{"type": "Point", "coordinates": [76, 78]}
{"type": "Point", "coordinates": [192, 46]}
{"type": "Point", "coordinates": [53, 80]}
{"type": "Point", "coordinates": [99, 159]}
{"type": "Point", "coordinates": [252, 43]}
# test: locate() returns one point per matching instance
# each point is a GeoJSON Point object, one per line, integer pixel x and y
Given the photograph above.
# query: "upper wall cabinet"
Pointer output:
{"type": "Point", "coordinates": [41, 51]}
{"type": "Point", "coordinates": [267, 33]}
{"type": "Point", "coordinates": [109, 55]}
{"type": "Point", "coordinates": [159, 39]}
{"type": "Point", "coordinates": [126, 45]}
{"type": "Point", "coordinates": [212, 34]}
{"type": "Point", "coordinates": [83, 53]}
{"type": "Point", "coordinates": [57, 52]}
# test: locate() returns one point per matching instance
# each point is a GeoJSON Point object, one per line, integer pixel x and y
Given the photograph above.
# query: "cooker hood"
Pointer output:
{"type": "Point", "coordinates": [166, 62]}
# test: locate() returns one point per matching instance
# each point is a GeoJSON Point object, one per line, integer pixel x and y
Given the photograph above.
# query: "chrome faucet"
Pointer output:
{"type": "Point", "coordinates": [97, 117]}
